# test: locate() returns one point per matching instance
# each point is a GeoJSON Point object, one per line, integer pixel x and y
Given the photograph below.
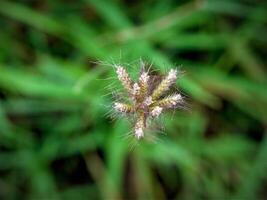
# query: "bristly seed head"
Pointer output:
{"type": "Point", "coordinates": [146, 104]}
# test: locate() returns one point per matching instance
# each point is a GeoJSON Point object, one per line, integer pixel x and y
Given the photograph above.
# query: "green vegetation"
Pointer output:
{"type": "Point", "coordinates": [56, 70]}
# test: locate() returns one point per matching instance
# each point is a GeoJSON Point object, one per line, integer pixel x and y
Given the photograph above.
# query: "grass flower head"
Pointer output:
{"type": "Point", "coordinates": [147, 100]}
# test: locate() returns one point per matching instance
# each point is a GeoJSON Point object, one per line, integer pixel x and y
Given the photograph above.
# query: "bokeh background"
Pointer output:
{"type": "Point", "coordinates": [56, 141]}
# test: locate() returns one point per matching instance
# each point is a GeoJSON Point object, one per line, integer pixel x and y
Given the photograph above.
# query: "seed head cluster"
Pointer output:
{"type": "Point", "coordinates": [147, 100]}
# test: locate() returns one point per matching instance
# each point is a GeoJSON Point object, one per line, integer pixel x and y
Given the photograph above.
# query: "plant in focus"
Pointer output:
{"type": "Point", "coordinates": [146, 98]}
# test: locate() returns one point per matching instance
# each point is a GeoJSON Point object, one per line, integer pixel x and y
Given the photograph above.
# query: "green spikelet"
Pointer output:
{"type": "Point", "coordinates": [165, 84]}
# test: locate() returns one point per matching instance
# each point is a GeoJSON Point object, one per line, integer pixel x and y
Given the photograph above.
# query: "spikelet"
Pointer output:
{"type": "Point", "coordinates": [156, 111]}
{"type": "Point", "coordinates": [139, 126]}
{"type": "Point", "coordinates": [148, 101]}
{"type": "Point", "coordinates": [165, 84]}
{"type": "Point", "coordinates": [143, 82]}
{"type": "Point", "coordinates": [124, 77]}
{"type": "Point", "coordinates": [122, 107]}
{"type": "Point", "coordinates": [169, 102]}
{"type": "Point", "coordinates": [135, 90]}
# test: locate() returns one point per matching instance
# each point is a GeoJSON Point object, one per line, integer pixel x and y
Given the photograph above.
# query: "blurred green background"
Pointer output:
{"type": "Point", "coordinates": [56, 141]}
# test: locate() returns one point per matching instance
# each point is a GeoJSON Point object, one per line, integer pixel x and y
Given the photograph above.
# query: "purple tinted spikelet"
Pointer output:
{"type": "Point", "coordinates": [146, 103]}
